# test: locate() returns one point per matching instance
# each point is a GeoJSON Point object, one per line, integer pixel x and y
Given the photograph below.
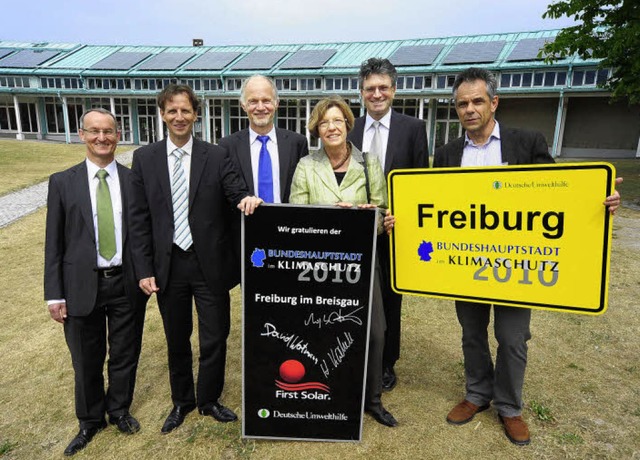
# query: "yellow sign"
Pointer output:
{"type": "Point", "coordinates": [526, 236]}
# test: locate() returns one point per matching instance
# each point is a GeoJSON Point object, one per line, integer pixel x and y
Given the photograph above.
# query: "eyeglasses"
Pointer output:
{"type": "Point", "coordinates": [254, 102]}
{"type": "Point", "coordinates": [338, 123]}
{"type": "Point", "coordinates": [384, 89]}
{"type": "Point", "coordinates": [97, 132]}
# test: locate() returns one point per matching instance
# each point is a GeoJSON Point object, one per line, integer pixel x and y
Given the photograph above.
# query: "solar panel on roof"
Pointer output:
{"type": "Point", "coordinates": [528, 49]}
{"type": "Point", "coordinates": [415, 55]}
{"type": "Point", "coordinates": [258, 60]}
{"type": "Point", "coordinates": [472, 53]}
{"type": "Point", "coordinates": [308, 59]}
{"type": "Point", "coordinates": [4, 52]}
{"type": "Point", "coordinates": [165, 61]}
{"type": "Point", "coordinates": [212, 61]}
{"type": "Point", "coordinates": [27, 58]}
{"type": "Point", "coordinates": [120, 60]}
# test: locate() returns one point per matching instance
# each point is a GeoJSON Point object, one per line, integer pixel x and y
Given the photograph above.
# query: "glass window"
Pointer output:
{"type": "Point", "coordinates": [526, 79]}
{"type": "Point", "coordinates": [505, 80]}
{"type": "Point", "coordinates": [603, 75]}
{"type": "Point", "coordinates": [578, 76]}
{"type": "Point", "coordinates": [549, 78]}
{"type": "Point", "coordinates": [538, 78]}
{"type": "Point", "coordinates": [516, 78]}
{"type": "Point", "coordinates": [442, 81]}
{"type": "Point", "coordinates": [561, 79]}
{"type": "Point", "coordinates": [590, 77]}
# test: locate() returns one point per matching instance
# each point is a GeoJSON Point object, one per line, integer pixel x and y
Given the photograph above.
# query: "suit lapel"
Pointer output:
{"type": "Point", "coordinates": [507, 147]}
{"type": "Point", "coordinates": [395, 138]}
{"type": "Point", "coordinates": [161, 163]}
{"type": "Point", "coordinates": [284, 156]}
{"type": "Point", "coordinates": [123, 176]}
{"type": "Point", "coordinates": [244, 158]}
{"type": "Point", "coordinates": [357, 134]}
{"type": "Point", "coordinates": [81, 191]}
{"type": "Point", "coordinates": [198, 162]}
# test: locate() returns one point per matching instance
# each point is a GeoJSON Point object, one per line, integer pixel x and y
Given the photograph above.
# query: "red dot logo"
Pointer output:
{"type": "Point", "coordinates": [292, 371]}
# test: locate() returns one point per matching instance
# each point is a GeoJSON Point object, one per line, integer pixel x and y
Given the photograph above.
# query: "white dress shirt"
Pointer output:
{"type": "Point", "coordinates": [488, 154]}
{"type": "Point", "coordinates": [186, 159]}
{"type": "Point", "coordinates": [385, 126]}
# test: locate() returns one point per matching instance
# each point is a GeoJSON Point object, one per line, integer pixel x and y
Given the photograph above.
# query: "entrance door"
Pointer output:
{"type": "Point", "coordinates": [147, 123]}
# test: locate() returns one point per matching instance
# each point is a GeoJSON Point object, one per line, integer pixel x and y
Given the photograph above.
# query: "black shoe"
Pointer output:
{"type": "Point", "coordinates": [175, 418]}
{"type": "Point", "coordinates": [84, 437]}
{"type": "Point", "coordinates": [382, 416]}
{"type": "Point", "coordinates": [125, 423]}
{"type": "Point", "coordinates": [389, 379]}
{"type": "Point", "coordinates": [220, 413]}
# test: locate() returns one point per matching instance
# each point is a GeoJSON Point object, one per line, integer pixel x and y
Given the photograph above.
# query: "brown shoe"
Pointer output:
{"type": "Point", "coordinates": [516, 430]}
{"type": "Point", "coordinates": [464, 412]}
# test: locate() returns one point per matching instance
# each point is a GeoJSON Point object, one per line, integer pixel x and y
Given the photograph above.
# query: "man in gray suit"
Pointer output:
{"type": "Point", "coordinates": [487, 143]}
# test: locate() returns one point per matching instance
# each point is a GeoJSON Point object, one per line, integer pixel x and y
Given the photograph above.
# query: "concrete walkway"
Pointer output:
{"type": "Point", "coordinates": [18, 204]}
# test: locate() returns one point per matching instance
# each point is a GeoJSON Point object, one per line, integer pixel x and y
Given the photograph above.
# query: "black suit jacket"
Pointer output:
{"type": "Point", "coordinates": [291, 147]}
{"type": "Point", "coordinates": [70, 269]}
{"type": "Point", "coordinates": [518, 146]}
{"type": "Point", "coordinates": [214, 188]}
{"type": "Point", "coordinates": [407, 146]}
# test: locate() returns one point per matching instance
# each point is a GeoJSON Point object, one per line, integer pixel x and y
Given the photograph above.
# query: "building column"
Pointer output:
{"type": "Point", "coordinates": [306, 120]}
{"type": "Point", "coordinates": [16, 106]}
{"type": "Point", "coordinates": [206, 129]}
{"type": "Point", "coordinates": [431, 124]}
{"type": "Point", "coordinates": [160, 125]}
{"type": "Point", "coordinates": [65, 114]}
{"type": "Point", "coordinates": [112, 104]}
{"type": "Point", "coordinates": [40, 118]}
{"type": "Point", "coordinates": [558, 135]}
{"type": "Point", "coordinates": [638, 149]}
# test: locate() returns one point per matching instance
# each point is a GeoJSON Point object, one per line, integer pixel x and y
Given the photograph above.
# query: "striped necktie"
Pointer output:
{"type": "Point", "coordinates": [106, 225]}
{"type": "Point", "coordinates": [180, 199]}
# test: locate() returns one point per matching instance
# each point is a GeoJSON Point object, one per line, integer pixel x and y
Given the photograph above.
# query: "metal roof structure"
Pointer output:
{"type": "Point", "coordinates": [447, 54]}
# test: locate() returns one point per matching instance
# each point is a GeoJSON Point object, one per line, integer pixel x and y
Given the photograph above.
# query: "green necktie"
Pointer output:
{"type": "Point", "coordinates": [106, 227]}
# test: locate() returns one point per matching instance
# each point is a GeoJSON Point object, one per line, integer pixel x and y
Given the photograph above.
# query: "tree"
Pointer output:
{"type": "Point", "coordinates": [610, 31]}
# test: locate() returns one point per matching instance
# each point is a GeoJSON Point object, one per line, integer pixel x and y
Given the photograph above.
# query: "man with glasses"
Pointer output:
{"type": "Point", "coordinates": [400, 142]}
{"type": "Point", "coordinates": [89, 283]}
{"type": "Point", "coordinates": [266, 156]}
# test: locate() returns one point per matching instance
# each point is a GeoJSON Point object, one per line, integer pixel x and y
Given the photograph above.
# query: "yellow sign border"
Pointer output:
{"type": "Point", "coordinates": [453, 174]}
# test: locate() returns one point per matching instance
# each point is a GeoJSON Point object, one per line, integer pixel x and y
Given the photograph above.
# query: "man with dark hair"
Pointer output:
{"type": "Point", "coordinates": [400, 142]}
{"type": "Point", "coordinates": [487, 143]}
{"type": "Point", "coordinates": [266, 156]}
{"type": "Point", "coordinates": [182, 193]}
{"type": "Point", "coordinates": [89, 282]}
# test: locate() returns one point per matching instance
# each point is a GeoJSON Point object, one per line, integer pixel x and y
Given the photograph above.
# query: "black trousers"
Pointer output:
{"type": "Point", "coordinates": [186, 284]}
{"type": "Point", "coordinates": [114, 321]}
{"type": "Point", "coordinates": [392, 305]}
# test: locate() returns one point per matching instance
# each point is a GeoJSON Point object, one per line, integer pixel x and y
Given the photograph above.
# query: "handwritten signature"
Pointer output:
{"type": "Point", "coordinates": [333, 318]}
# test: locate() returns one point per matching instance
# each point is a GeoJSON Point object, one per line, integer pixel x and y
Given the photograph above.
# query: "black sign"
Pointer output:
{"type": "Point", "coordinates": [306, 288]}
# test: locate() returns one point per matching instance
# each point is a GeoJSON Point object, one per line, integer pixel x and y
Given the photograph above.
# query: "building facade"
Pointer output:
{"type": "Point", "coordinates": [45, 87]}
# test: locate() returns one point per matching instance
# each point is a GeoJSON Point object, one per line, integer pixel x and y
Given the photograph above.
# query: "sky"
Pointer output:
{"type": "Point", "coordinates": [251, 22]}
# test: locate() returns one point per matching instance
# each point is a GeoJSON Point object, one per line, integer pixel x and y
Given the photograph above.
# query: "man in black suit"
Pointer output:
{"type": "Point", "coordinates": [89, 283]}
{"type": "Point", "coordinates": [487, 143]}
{"type": "Point", "coordinates": [182, 193]}
{"type": "Point", "coordinates": [400, 142]}
{"type": "Point", "coordinates": [259, 100]}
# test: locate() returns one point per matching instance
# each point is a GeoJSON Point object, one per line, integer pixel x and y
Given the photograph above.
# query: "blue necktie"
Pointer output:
{"type": "Point", "coordinates": [265, 175]}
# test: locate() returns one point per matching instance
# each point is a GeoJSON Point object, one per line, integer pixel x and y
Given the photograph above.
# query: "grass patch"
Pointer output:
{"type": "Point", "coordinates": [6, 447]}
{"type": "Point", "coordinates": [541, 412]}
{"type": "Point", "coordinates": [25, 163]}
{"type": "Point", "coordinates": [575, 366]}
{"type": "Point", "coordinates": [570, 438]}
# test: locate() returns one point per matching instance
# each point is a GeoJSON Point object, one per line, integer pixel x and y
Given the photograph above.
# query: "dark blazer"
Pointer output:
{"type": "Point", "coordinates": [291, 147]}
{"type": "Point", "coordinates": [70, 248]}
{"type": "Point", "coordinates": [407, 146]}
{"type": "Point", "coordinates": [518, 146]}
{"type": "Point", "coordinates": [214, 189]}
